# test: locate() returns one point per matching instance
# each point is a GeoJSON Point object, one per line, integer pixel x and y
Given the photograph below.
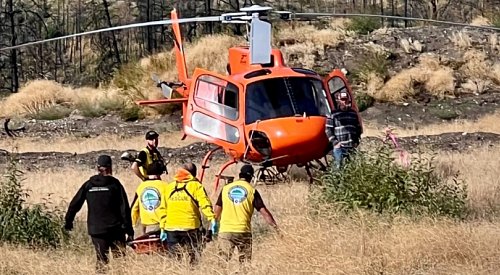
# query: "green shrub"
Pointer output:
{"type": "Point", "coordinates": [373, 180]}
{"type": "Point", "coordinates": [36, 225]}
{"type": "Point", "coordinates": [364, 101]}
{"type": "Point", "coordinates": [364, 25]}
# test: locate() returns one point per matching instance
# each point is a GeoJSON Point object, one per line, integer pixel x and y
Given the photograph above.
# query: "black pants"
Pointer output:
{"type": "Point", "coordinates": [181, 241]}
{"type": "Point", "coordinates": [103, 243]}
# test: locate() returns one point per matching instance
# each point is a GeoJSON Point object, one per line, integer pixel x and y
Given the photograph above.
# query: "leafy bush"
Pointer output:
{"type": "Point", "coordinates": [364, 25]}
{"type": "Point", "coordinates": [364, 101]}
{"type": "Point", "coordinates": [373, 180]}
{"type": "Point", "coordinates": [33, 225]}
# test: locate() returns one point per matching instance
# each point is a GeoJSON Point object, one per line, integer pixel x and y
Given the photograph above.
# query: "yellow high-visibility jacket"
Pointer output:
{"type": "Point", "coordinates": [185, 196]}
{"type": "Point", "coordinates": [147, 203]}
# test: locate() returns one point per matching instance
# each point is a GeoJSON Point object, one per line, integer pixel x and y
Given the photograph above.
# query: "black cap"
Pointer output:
{"type": "Point", "coordinates": [246, 171]}
{"type": "Point", "coordinates": [104, 161]}
{"type": "Point", "coordinates": [150, 135]}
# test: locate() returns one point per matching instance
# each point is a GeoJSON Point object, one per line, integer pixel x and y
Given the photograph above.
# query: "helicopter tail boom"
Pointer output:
{"type": "Point", "coordinates": [179, 52]}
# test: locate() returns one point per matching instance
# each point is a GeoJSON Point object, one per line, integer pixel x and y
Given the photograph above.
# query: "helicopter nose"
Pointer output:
{"type": "Point", "coordinates": [290, 140]}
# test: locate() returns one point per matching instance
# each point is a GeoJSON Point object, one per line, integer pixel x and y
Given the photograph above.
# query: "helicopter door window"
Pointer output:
{"type": "Point", "coordinates": [337, 86]}
{"type": "Point", "coordinates": [217, 96]}
{"type": "Point", "coordinates": [213, 127]}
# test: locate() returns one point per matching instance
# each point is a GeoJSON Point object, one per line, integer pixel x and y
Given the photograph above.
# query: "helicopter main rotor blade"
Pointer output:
{"type": "Point", "coordinates": [135, 25]}
{"type": "Point", "coordinates": [393, 17]}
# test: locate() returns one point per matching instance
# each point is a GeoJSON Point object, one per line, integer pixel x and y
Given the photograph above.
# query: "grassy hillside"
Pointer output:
{"type": "Point", "coordinates": [437, 62]}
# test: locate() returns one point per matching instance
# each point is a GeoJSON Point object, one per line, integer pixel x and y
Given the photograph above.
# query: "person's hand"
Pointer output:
{"type": "Point", "coordinates": [68, 226]}
{"type": "Point", "coordinates": [278, 231]}
{"type": "Point", "coordinates": [214, 227]}
{"type": "Point", "coordinates": [338, 145]}
{"type": "Point", "coordinates": [163, 235]}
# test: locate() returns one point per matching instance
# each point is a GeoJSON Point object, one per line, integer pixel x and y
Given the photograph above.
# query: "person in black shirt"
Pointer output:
{"type": "Point", "coordinates": [147, 156]}
{"type": "Point", "coordinates": [109, 220]}
{"type": "Point", "coordinates": [343, 129]}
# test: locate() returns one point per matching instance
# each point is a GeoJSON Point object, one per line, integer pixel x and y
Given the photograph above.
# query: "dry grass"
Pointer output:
{"type": "Point", "coordinates": [480, 71]}
{"type": "Point", "coordinates": [360, 245]}
{"type": "Point", "coordinates": [209, 52]}
{"type": "Point", "coordinates": [39, 95]}
{"type": "Point", "coordinates": [437, 79]}
{"type": "Point", "coordinates": [461, 40]}
{"type": "Point", "coordinates": [330, 243]}
{"type": "Point", "coordinates": [83, 145]}
{"type": "Point", "coordinates": [303, 42]}
{"type": "Point", "coordinates": [481, 21]}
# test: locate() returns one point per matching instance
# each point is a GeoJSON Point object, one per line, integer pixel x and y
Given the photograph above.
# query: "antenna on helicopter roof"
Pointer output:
{"type": "Point", "coordinates": [259, 35]}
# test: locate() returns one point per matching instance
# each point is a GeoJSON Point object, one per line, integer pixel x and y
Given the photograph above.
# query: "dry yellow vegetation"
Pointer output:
{"type": "Point", "coordinates": [133, 81]}
{"type": "Point", "coordinates": [436, 78]}
{"type": "Point", "coordinates": [327, 243]}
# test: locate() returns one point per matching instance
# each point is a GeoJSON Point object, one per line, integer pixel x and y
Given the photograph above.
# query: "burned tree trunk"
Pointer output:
{"type": "Point", "coordinates": [108, 19]}
{"type": "Point", "coordinates": [13, 52]}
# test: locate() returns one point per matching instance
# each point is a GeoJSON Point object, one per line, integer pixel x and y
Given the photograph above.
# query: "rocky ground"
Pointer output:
{"type": "Point", "coordinates": [407, 115]}
{"type": "Point", "coordinates": [412, 113]}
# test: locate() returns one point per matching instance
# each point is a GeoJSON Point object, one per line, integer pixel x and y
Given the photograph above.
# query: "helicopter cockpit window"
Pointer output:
{"type": "Point", "coordinates": [218, 96]}
{"type": "Point", "coordinates": [284, 97]}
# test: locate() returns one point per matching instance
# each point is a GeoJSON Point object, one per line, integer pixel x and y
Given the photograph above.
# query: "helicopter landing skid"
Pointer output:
{"type": "Point", "coordinates": [315, 169]}
{"type": "Point", "coordinates": [270, 176]}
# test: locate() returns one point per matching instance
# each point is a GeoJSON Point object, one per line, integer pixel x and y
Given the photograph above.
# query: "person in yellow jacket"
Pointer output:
{"type": "Point", "coordinates": [182, 227]}
{"type": "Point", "coordinates": [147, 200]}
{"type": "Point", "coordinates": [234, 209]}
{"type": "Point", "coordinates": [147, 156]}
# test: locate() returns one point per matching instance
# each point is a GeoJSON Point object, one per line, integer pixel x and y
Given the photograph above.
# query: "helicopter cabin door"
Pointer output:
{"type": "Point", "coordinates": [213, 111]}
{"type": "Point", "coordinates": [337, 83]}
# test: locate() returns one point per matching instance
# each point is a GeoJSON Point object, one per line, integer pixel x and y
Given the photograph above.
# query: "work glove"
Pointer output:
{"type": "Point", "coordinates": [163, 236]}
{"type": "Point", "coordinates": [214, 227]}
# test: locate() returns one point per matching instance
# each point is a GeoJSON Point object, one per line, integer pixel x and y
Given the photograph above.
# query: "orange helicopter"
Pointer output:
{"type": "Point", "coordinates": [262, 112]}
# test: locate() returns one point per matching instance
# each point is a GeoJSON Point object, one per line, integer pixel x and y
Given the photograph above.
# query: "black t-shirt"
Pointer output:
{"type": "Point", "coordinates": [258, 203]}
{"type": "Point", "coordinates": [142, 157]}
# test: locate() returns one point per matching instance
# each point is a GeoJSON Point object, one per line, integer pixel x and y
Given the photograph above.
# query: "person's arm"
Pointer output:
{"type": "Point", "coordinates": [261, 207]}
{"type": "Point", "coordinates": [135, 210]}
{"type": "Point", "coordinates": [218, 207]}
{"type": "Point", "coordinates": [204, 202]}
{"type": "Point", "coordinates": [139, 161]}
{"type": "Point", "coordinates": [330, 130]}
{"type": "Point", "coordinates": [75, 205]}
{"type": "Point", "coordinates": [126, 212]}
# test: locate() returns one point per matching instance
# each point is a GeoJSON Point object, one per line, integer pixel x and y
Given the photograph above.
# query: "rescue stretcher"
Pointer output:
{"type": "Point", "coordinates": [148, 243]}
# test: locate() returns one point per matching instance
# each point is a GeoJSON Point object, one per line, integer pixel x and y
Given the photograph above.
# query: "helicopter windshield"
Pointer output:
{"type": "Point", "coordinates": [284, 97]}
